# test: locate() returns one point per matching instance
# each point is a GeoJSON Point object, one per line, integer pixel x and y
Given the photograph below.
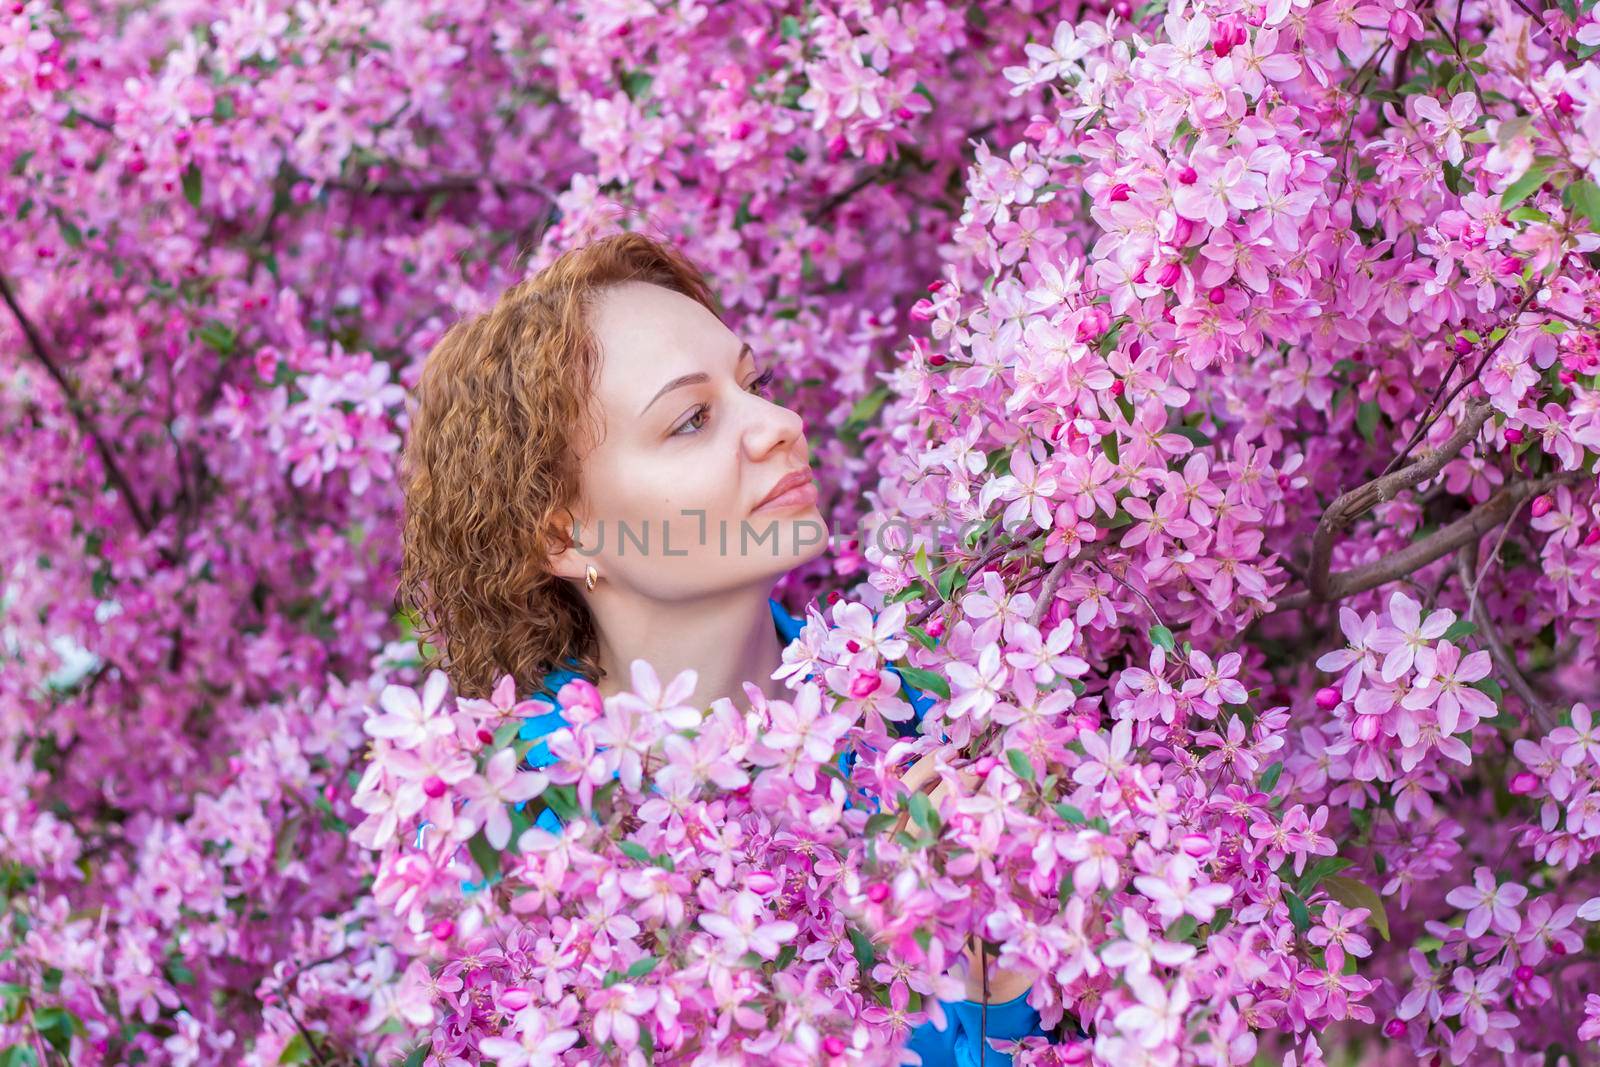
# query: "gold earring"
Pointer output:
{"type": "Point", "coordinates": [589, 576]}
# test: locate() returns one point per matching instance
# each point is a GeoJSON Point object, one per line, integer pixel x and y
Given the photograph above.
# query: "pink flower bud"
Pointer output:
{"type": "Point", "coordinates": [834, 596]}
{"type": "Point", "coordinates": [1169, 275]}
{"type": "Point", "coordinates": [938, 359]}
{"type": "Point", "coordinates": [865, 684]}
{"type": "Point", "coordinates": [1523, 973]}
{"type": "Point", "coordinates": [1188, 176]}
{"type": "Point", "coordinates": [1541, 506]}
{"type": "Point", "coordinates": [878, 892]}
{"type": "Point", "coordinates": [836, 148]}
{"type": "Point", "coordinates": [515, 997]}
{"type": "Point", "coordinates": [1182, 231]}
{"type": "Point", "coordinates": [1118, 387]}
{"type": "Point", "coordinates": [1508, 265]}
{"type": "Point", "coordinates": [434, 786]}
{"type": "Point", "coordinates": [935, 628]}
{"type": "Point", "coordinates": [1566, 377]}
{"type": "Point", "coordinates": [1195, 845]}
{"type": "Point", "coordinates": [1523, 783]}
{"type": "Point", "coordinates": [742, 130]}
{"type": "Point", "coordinates": [1462, 346]}
{"type": "Point", "coordinates": [1217, 294]}
{"type": "Point", "coordinates": [443, 930]}
{"type": "Point", "coordinates": [1564, 102]}
{"type": "Point", "coordinates": [904, 114]}
{"type": "Point", "coordinates": [1592, 536]}
{"type": "Point", "coordinates": [484, 736]}
{"type": "Point", "coordinates": [761, 882]}
{"type": "Point", "coordinates": [833, 1045]}
{"type": "Point", "coordinates": [1514, 435]}
{"type": "Point", "coordinates": [853, 646]}
{"type": "Point", "coordinates": [1222, 42]}
{"type": "Point", "coordinates": [1365, 727]}
{"type": "Point", "coordinates": [1327, 698]}
{"type": "Point", "coordinates": [1119, 192]}
{"type": "Point", "coordinates": [983, 765]}
{"type": "Point", "coordinates": [1395, 1028]}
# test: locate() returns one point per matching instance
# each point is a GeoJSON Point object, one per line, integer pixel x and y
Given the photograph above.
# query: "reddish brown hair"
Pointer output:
{"type": "Point", "coordinates": [491, 461]}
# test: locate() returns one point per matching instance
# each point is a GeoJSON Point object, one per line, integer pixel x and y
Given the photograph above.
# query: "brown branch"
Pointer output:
{"type": "Point", "coordinates": [80, 415]}
{"type": "Point", "coordinates": [1357, 502]}
{"type": "Point", "coordinates": [1543, 714]}
{"type": "Point", "coordinates": [1471, 526]}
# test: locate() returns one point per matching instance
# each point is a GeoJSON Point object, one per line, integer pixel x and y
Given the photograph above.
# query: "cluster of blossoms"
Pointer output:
{"type": "Point", "coordinates": [1252, 322]}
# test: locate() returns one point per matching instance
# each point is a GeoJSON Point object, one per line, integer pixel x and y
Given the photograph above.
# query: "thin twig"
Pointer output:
{"type": "Point", "coordinates": [1542, 713]}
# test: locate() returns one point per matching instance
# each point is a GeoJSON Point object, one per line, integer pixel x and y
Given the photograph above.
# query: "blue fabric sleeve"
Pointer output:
{"type": "Point", "coordinates": [959, 1043]}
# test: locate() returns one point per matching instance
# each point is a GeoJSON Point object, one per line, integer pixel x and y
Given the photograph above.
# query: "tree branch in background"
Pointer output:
{"type": "Point", "coordinates": [1471, 526]}
{"type": "Point", "coordinates": [86, 426]}
{"type": "Point", "coordinates": [1357, 502]}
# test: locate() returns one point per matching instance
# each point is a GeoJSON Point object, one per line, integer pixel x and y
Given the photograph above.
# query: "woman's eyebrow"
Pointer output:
{"type": "Point", "coordinates": [693, 379]}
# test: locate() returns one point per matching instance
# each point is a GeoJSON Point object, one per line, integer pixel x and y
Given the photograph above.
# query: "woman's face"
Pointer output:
{"type": "Point", "coordinates": [691, 446]}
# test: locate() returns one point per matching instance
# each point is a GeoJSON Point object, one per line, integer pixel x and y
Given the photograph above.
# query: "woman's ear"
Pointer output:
{"type": "Point", "coordinates": [565, 553]}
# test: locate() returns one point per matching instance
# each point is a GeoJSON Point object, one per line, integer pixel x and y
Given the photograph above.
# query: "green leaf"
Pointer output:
{"type": "Point", "coordinates": [1297, 911]}
{"type": "Point", "coordinates": [1459, 629]}
{"type": "Point", "coordinates": [193, 182]}
{"type": "Point", "coordinates": [789, 26]}
{"type": "Point", "coordinates": [636, 83]}
{"type": "Point", "coordinates": [927, 681]}
{"type": "Point", "coordinates": [1020, 763]}
{"type": "Point", "coordinates": [1160, 635]}
{"type": "Point", "coordinates": [1522, 188]}
{"type": "Point", "coordinates": [865, 956]}
{"type": "Point", "coordinates": [1367, 419]}
{"type": "Point", "coordinates": [951, 579]}
{"type": "Point", "coordinates": [1071, 814]}
{"type": "Point", "coordinates": [867, 407]}
{"type": "Point", "coordinates": [877, 824]}
{"type": "Point", "coordinates": [295, 1050]}
{"type": "Point", "coordinates": [634, 851]}
{"type": "Point", "coordinates": [1269, 778]}
{"type": "Point", "coordinates": [1491, 687]}
{"type": "Point", "coordinates": [219, 336]}
{"type": "Point", "coordinates": [484, 855]}
{"type": "Point", "coordinates": [1183, 929]}
{"type": "Point", "coordinates": [921, 810]}
{"type": "Point", "coordinates": [1583, 197]}
{"type": "Point", "coordinates": [922, 638]}
{"type": "Point", "coordinates": [18, 1056]}
{"type": "Point", "coordinates": [1319, 870]}
{"type": "Point", "coordinates": [642, 966]}
{"type": "Point", "coordinates": [69, 232]}
{"type": "Point", "coordinates": [1354, 894]}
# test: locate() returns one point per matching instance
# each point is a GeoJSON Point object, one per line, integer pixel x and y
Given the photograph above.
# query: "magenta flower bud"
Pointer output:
{"type": "Point", "coordinates": [878, 892]}
{"type": "Point", "coordinates": [1169, 275]}
{"type": "Point", "coordinates": [1239, 34]}
{"type": "Point", "coordinates": [1365, 727]}
{"type": "Point", "coordinates": [1222, 42]}
{"type": "Point", "coordinates": [865, 684]}
{"type": "Point", "coordinates": [1188, 176]}
{"type": "Point", "coordinates": [935, 286]}
{"type": "Point", "coordinates": [741, 131]}
{"type": "Point", "coordinates": [983, 765]}
{"type": "Point", "coordinates": [1564, 102]}
{"type": "Point", "coordinates": [484, 736]}
{"type": "Point", "coordinates": [1139, 275]}
{"type": "Point", "coordinates": [1395, 1028]}
{"type": "Point", "coordinates": [761, 882]}
{"type": "Point", "coordinates": [1182, 230]}
{"type": "Point", "coordinates": [833, 1045]}
{"type": "Point", "coordinates": [1541, 506]}
{"type": "Point", "coordinates": [1523, 973]}
{"type": "Point", "coordinates": [443, 930]}
{"type": "Point", "coordinates": [1327, 698]}
{"type": "Point", "coordinates": [1195, 845]}
{"type": "Point", "coordinates": [1118, 387]}
{"type": "Point", "coordinates": [515, 998]}
{"type": "Point", "coordinates": [1523, 783]}
{"type": "Point", "coordinates": [853, 645]}
{"type": "Point", "coordinates": [1119, 192]}
{"type": "Point", "coordinates": [1217, 294]}
{"type": "Point", "coordinates": [938, 359]}
{"type": "Point", "coordinates": [836, 148]}
{"type": "Point", "coordinates": [1508, 265]}
{"type": "Point", "coordinates": [434, 786]}
{"type": "Point", "coordinates": [1514, 435]}
{"type": "Point", "coordinates": [1463, 346]}
{"type": "Point", "coordinates": [935, 628]}
{"type": "Point", "coordinates": [1122, 9]}
{"type": "Point", "coordinates": [1592, 536]}
{"type": "Point", "coordinates": [904, 114]}
{"type": "Point", "coordinates": [834, 596]}
{"type": "Point", "coordinates": [1566, 377]}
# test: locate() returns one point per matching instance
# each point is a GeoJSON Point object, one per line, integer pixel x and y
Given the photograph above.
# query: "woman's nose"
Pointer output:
{"type": "Point", "coordinates": [773, 426]}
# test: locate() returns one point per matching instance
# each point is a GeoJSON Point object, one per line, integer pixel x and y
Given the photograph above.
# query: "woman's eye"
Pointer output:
{"type": "Point", "coordinates": [694, 422]}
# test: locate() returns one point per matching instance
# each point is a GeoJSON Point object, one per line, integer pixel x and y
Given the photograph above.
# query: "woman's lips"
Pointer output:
{"type": "Point", "coordinates": [800, 495]}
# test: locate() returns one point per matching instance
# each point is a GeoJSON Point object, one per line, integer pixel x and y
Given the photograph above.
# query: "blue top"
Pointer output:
{"type": "Point", "coordinates": [958, 1044]}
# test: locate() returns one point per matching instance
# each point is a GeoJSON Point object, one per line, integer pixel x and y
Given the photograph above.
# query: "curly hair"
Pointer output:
{"type": "Point", "coordinates": [491, 461]}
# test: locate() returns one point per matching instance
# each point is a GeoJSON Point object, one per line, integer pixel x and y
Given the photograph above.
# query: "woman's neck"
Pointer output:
{"type": "Point", "coordinates": [727, 640]}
